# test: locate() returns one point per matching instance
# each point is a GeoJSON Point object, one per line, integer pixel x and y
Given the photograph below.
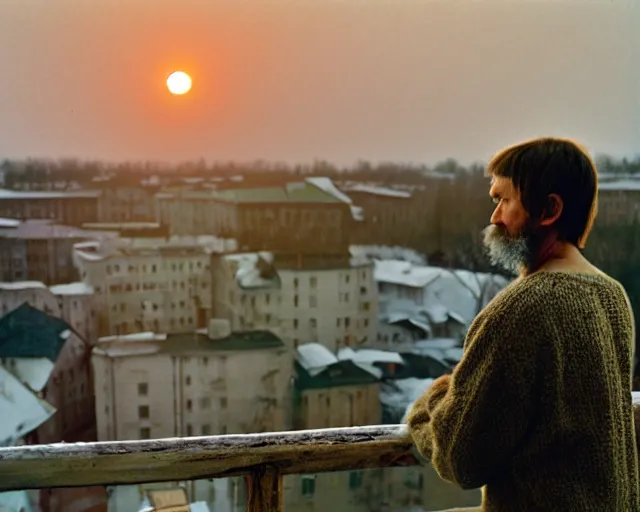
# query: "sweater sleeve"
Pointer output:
{"type": "Point", "coordinates": [479, 421]}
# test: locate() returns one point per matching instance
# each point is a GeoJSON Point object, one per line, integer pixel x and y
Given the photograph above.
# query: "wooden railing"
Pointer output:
{"type": "Point", "coordinates": [263, 458]}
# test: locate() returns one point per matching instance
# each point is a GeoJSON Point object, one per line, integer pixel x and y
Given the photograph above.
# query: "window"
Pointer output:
{"type": "Point", "coordinates": [188, 380]}
{"type": "Point", "coordinates": [143, 412]}
{"type": "Point", "coordinates": [206, 430]}
{"type": "Point", "coordinates": [205, 402]}
{"type": "Point", "coordinates": [338, 322]}
{"type": "Point", "coordinates": [366, 306]}
{"type": "Point", "coordinates": [145, 433]}
{"type": "Point", "coordinates": [189, 429]}
{"type": "Point", "coordinates": [189, 405]}
{"type": "Point", "coordinates": [366, 322]}
{"type": "Point", "coordinates": [223, 402]}
{"type": "Point", "coordinates": [295, 323]}
{"type": "Point", "coordinates": [295, 301]}
{"type": "Point", "coordinates": [268, 318]}
{"type": "Point", "coordinates": [308, 485]}
{"type": "Point", "coordinates": [313, 301]}
{"type": "Point", "coordinates": [143, 389]}
{"type": "Point", "coordinates": [355, 479]}
{"type": "Point", "coordinates": [313, 323]}
{"type": "Point", "coordinates": [313, 282]}
{"type": "Point", "coordinates": [295, 282]}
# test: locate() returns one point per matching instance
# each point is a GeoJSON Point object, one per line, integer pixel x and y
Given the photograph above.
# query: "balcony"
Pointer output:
{"type": "Point", "coordinates": [264, 459]}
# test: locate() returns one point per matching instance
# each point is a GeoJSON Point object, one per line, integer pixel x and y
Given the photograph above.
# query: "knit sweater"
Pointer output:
{"type": "Point", "coordinates": [538, 411]}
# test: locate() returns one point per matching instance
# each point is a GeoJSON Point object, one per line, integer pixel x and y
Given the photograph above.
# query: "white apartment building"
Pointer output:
{"type": "Point", "coordinates": [73, 302]}
{"type": "Point", "coordinates": [204, 382]}
{"type": "Point", "coordinates": [336, 307]}
{"type": "Point", "coordinates": [150, 284]}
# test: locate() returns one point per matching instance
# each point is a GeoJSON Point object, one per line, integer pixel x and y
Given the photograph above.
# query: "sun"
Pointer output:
{"type": "Point", "coordinates": [179, 83]}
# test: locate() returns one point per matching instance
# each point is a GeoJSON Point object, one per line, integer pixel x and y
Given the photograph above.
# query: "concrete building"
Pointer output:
{"type": "Point", "coordinates": [74, 303]}
{"type": "Point", "coordinates": [199, 383]}
{"type": "Point", "coordinates": [306, 216]}
{"type": "Point", "coordinates": [336, 306]}
{"type": "Point", "coordinates": [40, 250]}
{"type": "Point", "coordinates": [152, 284]}
{"type": "Point", "coordinates": [71, 208]}
{"type": "Point", "coordinates": [48, 356]}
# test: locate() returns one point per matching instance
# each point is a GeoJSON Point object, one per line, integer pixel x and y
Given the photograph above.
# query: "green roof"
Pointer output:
{"type": "Point", "coordinates": [291, 193]}
{"type": "Point", "coordinates": [342, 373]}
{"type": "Point", "coordinates": [198, 342]}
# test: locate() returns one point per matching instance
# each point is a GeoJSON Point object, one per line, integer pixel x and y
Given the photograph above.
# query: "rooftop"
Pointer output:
{"type": "Point", "coordinates": [197, 342]}
{"type": "Point", "coordinates": [37, 194]}
{"type": "Point", "coordinates": [46, 229]}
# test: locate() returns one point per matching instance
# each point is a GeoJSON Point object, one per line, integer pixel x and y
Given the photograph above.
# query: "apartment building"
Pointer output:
{"type": "Point", "coordinates": [334, 306]}
{"type": "Point", "coordinates": [70, 207]}
{"type": "Point", "coordinates": [150, 284]}
{"type": "Point", "coordinates": [334, 393]}
{"type": "Point", "coordinates": [307, 216]}
{"type": "Point", "coordinates": [40, 250]}
{"type": "Point", "coordinates": [74, 303]}
{"type": "Point", "coordinates": [44, 353]}
{"type": "Point", "coordinates": [204, 382]}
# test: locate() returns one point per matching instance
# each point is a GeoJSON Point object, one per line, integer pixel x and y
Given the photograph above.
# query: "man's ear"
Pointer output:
{"type": "Point", "coordinates": [552, 210]}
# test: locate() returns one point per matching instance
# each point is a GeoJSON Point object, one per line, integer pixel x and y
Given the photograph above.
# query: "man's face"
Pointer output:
{"type": "Point", "coordinates": [509, 237]}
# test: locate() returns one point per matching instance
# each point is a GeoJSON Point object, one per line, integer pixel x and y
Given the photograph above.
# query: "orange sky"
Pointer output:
{"type": "Point", "coordinates": [294, 80]}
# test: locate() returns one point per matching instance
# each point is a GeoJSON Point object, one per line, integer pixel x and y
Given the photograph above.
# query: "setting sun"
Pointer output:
{"type": "Point", "coordinates": [179, 82]}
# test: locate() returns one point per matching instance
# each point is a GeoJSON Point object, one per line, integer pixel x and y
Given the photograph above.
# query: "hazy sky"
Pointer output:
{"type": "Point", "coordinates": [403, 80]}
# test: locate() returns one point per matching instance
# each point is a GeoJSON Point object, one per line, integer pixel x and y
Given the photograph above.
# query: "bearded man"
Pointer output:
{"type": "Point", "coordinates": [538, 412]}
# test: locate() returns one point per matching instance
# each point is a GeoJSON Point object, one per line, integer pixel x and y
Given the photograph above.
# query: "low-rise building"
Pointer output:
{"type": "Point", "coordinates": [40, 250]}
{"type": "Point", "coordinates": [70, 207]}
{"type": "Point", "coordinates": [194, 383]}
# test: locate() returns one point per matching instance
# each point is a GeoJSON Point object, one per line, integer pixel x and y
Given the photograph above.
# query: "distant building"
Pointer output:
{"type": "Point", "coordinates": [150, 284]}
{"type": "Point", "coordinates": [195, 383]}
{"type": "Point", "coordinates": [306, 216]}
{"type": "Point", "coordinates": [48, 356]}
{"type": "Point", "coordinates": [74, 303]}
{"type": "Point", "coordinates": [336, 305]}
{"type": "Point", "coordinates": [71, 208]}
{"type": "Point", "coordinates": [619, 202]}
{"type": "Point", "coordinates": [40, 250]}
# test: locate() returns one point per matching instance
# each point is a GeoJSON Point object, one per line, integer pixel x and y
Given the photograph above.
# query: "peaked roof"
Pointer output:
{"type": "Point", "coordinates": [29, 332]}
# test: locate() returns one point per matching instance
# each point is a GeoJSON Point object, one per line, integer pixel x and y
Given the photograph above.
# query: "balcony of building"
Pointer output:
{"type": "Point", "coordinates": [262, 459]}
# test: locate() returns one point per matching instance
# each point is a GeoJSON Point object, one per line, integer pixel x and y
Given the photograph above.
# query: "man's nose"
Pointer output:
{"type": "Point", "coordinates": [495, 216]}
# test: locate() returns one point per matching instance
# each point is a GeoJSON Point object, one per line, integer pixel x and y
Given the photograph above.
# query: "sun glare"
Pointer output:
{"type": "Point", "coordinates": [179, 82]}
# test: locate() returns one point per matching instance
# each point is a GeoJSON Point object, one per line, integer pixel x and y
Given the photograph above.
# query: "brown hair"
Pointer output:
{"type": "Point", "coordinates": [548, 165]}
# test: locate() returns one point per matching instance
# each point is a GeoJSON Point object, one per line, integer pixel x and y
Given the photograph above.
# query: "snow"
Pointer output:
{"type": "Point", "coordinates": [125, 351]}
{"type": "Point", "coordinates": [32, 371]}
{"type": "Point", "coordinates": [436, 343]}
{"type": "Point", "coordinates": [326, 185]}
{"type": "Point", "coordinates": [396, 396]}
{"type": "Point", "coordinates": [22, 410]}
{"type": "Point", "coordinates": [9, 223]}
{"type": "Point", "coordinates": [248, 274]}
{"type": "Point", "coordinates": [370, 356]}
{"type": "Point", "coordinates": [78, 288]}
{"type": "Point", "coordinates": [134, 337]}
{"type": "Point", "coordinates": [376, 190]}
{"type": "Point", "coordinates": [15, 501]}
{"type": "Point", "coordinates": [315, 358]}
{"type": "Point", "coordinates": [635, 397]}
{"type": "Point", "coordinates": [65, 334]}
{"type": "Point", "coordinates": [404, 273]}
{"type": "Point", "coordinates": [21, 285]}
{"type": "Point", "coordinates": [620, 185]}
{"type": "Point", "coordinates": [387, 252]}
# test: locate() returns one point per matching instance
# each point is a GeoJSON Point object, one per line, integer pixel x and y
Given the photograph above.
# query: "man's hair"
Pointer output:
{"type": "Point", "coordinates": [549, 165]}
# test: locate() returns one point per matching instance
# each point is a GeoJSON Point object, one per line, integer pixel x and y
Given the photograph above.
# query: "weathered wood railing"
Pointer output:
{"type": "Point", "coordinates": [263, 458]}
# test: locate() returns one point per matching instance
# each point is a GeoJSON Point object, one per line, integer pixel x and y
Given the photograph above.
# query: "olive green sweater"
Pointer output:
{"type": "Point", "coordinates": [538, 411]}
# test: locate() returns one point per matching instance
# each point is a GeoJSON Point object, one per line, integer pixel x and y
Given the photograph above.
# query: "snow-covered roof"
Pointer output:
{"type": "Point", "coordinates": [9, 223]}
{"type": "Point", "coordinates": [327, 185]}
{"type": "Point", "coordinates": [37, 194]}
{"type": "Point", "coordinates": [21, 285]}
{"type": "Point", "coordinates": [32, 371]}
{"type": "Point", "coordinates": [248, 273]}
{"type": "Point", "coordinates": [397, 395]}
{"type": "Point", "coordinates": [628, 184]}
{"type": "Point", "coordinates": [377, 190]}
{"type": "Point", "coordinates": [315, 358]}
{"type": "Point", "coordinates": [369, 356]}
{"type": "Point", "coordinates": [134, 337]}
{"type": "Point", "coordinates": [78, 288]}
{"type": "Point", "coordinates": [22, 410]}
{"type": "Point", "coordinates": [404, 273]}
{"type": "Point", "coordinates": [387, 252]}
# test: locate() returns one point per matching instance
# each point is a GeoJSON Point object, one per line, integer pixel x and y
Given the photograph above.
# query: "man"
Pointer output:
{"type": "Point", "coordinates": [538, 412]}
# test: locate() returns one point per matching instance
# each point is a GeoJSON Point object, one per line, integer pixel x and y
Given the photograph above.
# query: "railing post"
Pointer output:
{"type": "Point", "coordinates": [265, 490]}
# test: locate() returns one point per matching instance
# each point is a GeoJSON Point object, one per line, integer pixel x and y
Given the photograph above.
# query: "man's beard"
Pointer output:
{"type": "Point", "coordinates": [511, 252]}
